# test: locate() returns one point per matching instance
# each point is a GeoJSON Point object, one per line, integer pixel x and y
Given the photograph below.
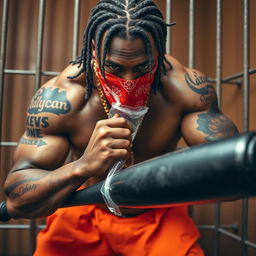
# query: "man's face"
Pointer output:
{"type": "Point", "coordinates": [128, 59]}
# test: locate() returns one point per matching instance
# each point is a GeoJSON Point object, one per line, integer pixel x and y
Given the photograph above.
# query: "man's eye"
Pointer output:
{"type": "Point", "coordinates": [113, 67]}
{"type": "Point", "coordinates": [143, 67]}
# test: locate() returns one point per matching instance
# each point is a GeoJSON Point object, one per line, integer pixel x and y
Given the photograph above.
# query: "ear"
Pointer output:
{"type": "Point", "coordinates": [93, 49]}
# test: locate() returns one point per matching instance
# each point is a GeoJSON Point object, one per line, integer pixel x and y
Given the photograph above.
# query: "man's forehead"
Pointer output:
{"type": "Point", "coordinates": [126, 48]}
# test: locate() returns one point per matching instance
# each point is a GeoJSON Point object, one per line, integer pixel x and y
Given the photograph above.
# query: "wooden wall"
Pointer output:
{"type": "Point", "coordinates": [57, 48]}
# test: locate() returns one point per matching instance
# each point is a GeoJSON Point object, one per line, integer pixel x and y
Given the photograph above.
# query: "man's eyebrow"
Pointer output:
{"type": "Point", "coordinates": [110, 62]}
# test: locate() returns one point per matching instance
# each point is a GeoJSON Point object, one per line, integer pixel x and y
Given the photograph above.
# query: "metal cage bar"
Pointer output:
{"type": "Point", "coordinates": [219, 49]}
{"type": "Point", "coordinates": [168, 20]}
{"type": "Point", "coordinates": [191, 50]}
{"type": "Point", "coordinates": [40, 37]}
{"type": "Point", "coordinates": [76, 28]}
{"type": "Point", "coordinates": [219, 93]}
{"type": "Point", "coordinates": [39, 53]}
{"type": "Point", "coordinates": [2, 56]}
{"type": "Point", "coordinates": [245, 204]}
{"type": "Point", "coordinates": [191, 47]}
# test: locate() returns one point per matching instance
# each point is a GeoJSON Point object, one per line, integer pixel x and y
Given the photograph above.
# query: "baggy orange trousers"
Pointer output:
{"type": "Point", "coordinates": [91, 231]}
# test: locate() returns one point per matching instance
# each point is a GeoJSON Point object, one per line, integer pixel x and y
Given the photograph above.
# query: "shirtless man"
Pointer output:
{"type": "Point", "coordinates": [124, 41]}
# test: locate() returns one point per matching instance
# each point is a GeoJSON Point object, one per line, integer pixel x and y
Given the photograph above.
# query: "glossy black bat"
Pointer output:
{"type": "Point", "coordinates": [220, 170]}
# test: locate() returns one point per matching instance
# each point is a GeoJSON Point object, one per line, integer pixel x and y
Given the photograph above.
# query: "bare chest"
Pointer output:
{"type": "Point", "coordinates": [158, 133]}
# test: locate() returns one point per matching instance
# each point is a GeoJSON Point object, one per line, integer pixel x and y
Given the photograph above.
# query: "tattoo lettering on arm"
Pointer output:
{"type": "Point", "coordinates": [23, 187]}
{"type": "Point", "coordinates": [33, 130]}
{"type": "Point", "coordinates": [34, 123]}
{"type": "Point", "coordinates": [215, 125]}
{"type": "Point", "coordinates": [37, 143]}
{"type": "Point", "coordinates": [46, 100]}
{"type": "Point", "coordinates": [207, 92]}
{"type": "Point", "coordinates": [50, 100]}
{"type": "Point", "coordinates": [23, 190]}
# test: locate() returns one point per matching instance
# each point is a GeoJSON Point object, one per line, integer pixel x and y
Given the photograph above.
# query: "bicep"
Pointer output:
{"type": "Point", "coordinates": [206, 126]}
{"type": "Point", "coordinates": [47, 152]}
{"type": "Point", "coordinates": [33, 159]}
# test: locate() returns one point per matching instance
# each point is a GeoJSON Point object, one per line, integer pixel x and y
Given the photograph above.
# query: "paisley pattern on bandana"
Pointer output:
{"type": "Point", "coordinates": [133, 93]}
{"type": "Point", "coordinates": [128, 85]}
{"type": "Point", "coordinates": [141, 90]}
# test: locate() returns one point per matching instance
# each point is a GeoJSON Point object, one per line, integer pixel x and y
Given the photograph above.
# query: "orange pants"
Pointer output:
{"type": "Point", "coordinates": [91, 231]}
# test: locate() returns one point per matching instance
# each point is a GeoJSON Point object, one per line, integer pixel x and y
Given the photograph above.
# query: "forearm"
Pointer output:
{"type": "Point", "coordinates": [35, 193]}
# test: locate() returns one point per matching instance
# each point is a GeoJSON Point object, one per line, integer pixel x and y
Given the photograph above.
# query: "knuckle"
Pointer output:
{"type": "Point", "coordinates": [103, 131]}
{"type": "Point", "coordinates": [108, 154]}
{"type": "Point", "coordinates": [123, 120]}
{"type": "Point", "coordinates": [127, 132]}
{"type": "Point", "coordinates": [123, 152]}
{"type": "Point", "coordinates": [104, 144]}
{"type": "Point", "coordinates": [126, 153]}
{"type": "Point", "coordinates": [127, 143]}
{"type": "Point", "coordinates": [99, 123]}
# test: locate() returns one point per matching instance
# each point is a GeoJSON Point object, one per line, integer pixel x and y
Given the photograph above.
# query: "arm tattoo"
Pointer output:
{"type": "Point", "coordinates": [215, 125]}
{"type": "Point", "coordinates": [50, 100]}
{"type": "Point", "coordinates": [207, 92]}
{"type": "Point", "coordinates": [9, 189]}
{"type": "Point", "coordinates": [34, 125]}
{"type": "Point", "coordinates": [23, 190]}
{"type": "Point", "coordinates": [37, 143]}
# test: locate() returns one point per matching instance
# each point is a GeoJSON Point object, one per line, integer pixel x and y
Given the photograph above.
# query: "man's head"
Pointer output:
{"type": "Point", "coordinates": [127, 37]}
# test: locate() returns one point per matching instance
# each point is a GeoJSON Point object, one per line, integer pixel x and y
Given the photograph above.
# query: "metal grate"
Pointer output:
{"type": "Point", "coordinates": [219, 80]}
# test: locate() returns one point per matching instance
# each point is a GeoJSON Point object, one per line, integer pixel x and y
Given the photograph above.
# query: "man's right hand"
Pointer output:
{"type": "Point", "coordinates": [110, 141]}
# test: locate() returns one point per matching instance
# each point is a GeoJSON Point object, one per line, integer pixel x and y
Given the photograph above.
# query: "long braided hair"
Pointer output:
{"type": "Point", "coordinates": [127, 19]}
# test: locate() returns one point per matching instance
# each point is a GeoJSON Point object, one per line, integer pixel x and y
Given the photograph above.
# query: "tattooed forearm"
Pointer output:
{"type": "Point", "coordinates": [12, 187]}
{"type": "Point", "coordinates": [215, 125]}
{"type": "Point", "coordinates": [207, 92]}
{"type": "Point", "coordinates": [23, 190]}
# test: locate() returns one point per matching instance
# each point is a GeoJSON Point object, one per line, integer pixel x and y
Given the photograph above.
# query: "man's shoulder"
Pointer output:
{"type": "Point", "coordinates": [187, 87]}
{"type": "Point", "coordinates": [64, 88]}
{"type": "Point", "coordinates": [59, 99]}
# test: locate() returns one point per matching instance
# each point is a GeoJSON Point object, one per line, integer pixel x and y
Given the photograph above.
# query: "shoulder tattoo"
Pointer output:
{"type": "Point", "coordinates": [46, 100]}
{"type": "Point", "coordinates": [50, 100]}
{"type": "Point", "coordinates": [201, 86]}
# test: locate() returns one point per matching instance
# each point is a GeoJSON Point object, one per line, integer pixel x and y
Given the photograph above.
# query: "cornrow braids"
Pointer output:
{"type": "Point", "coordinates": [127, 19]}
{"type": "Point", "coordinates": [110, 34]}
{"type": "Point", "coordinates": [141, 5]}
{"type": "Point", "coordinates": [154, 30]}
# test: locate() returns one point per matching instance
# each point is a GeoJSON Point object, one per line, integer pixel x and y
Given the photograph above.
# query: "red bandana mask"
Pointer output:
{"type": "Point", "coordinates": [132, 93]}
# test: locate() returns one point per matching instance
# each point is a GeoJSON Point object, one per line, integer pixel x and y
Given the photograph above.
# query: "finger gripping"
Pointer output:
{"type": "Point", "coordinates": [4, 215]}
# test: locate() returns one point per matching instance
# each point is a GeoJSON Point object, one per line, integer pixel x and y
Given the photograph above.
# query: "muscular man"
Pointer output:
{"type": "Point", "coordinates": [123, 58]}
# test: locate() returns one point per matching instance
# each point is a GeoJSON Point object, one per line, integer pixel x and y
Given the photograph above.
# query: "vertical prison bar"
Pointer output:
{"type": "Point", "coordinates": [191, 49]}
{"type": "Point", "coordinates": [169, 30]}
{"type": "Point", "coordinates": [76, 28]}
{"type": "Point", "coordinates": [40, 36]}
{"type": "Point", "coordinates": [2, 57]}
{"type": "Point", "coordinates": [245, 204]}
{"type": "Point", "coordinates": [219, 94]}
{"type": "Point", "coordinates": [191, 33]}
{"type": "Point", "coordinates": [219, 50]}
{"type": "Point", "coordinates": [39, 52]}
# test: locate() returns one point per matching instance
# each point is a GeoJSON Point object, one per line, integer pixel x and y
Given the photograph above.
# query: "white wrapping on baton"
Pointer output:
{"type": "Point", "coordinates": [135, 116]}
